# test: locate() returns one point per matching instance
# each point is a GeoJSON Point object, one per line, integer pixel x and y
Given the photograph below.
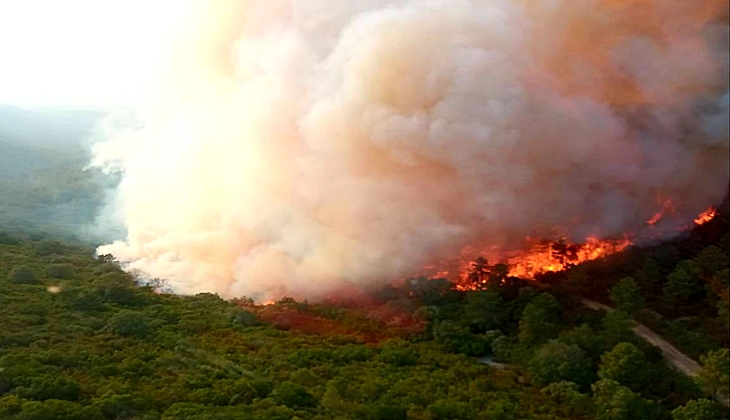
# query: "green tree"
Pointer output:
{"type": "Point", "coordinates": [577, 279]}
{"type": "Point", "coordinates": [615, 402]}
{"type": "Point", "coordinates": [568, 394]}
{"type": "Point", "coordinates": [588, 340]}
{"type": "Point", "coordinates": [557, 361]}
{"type": "Point", "coordinates": [710, 261]}
{"type": "Point", "coordinates": [22, 275]}
{"type": "Point", "coordinates": [714, 377]}
{"type": "Point", "coordinates": [682, 284]}
{"type": "Point", "coordinates": [47, 387]}
{"type": "Point", "coordinates": [451, 410]}
{"type": "Point", "coordinates": [380, 411]}
{"type": "Point", "coordinates": [626, 295]}
{"type": "Point", "coordinates": [485, 310]}
{"type": "Point", "coordinates": [293, 396]}
{"type": "Point", "coordinates": [49, 247]}
{"type": "Point", "coordinates": [130, 324]}
{"type": "Point", "coordinates": [617, 328]}
{"type": "Point", "coordinates": [60, 271]}
{"type": "Point", "coordinates": [539, 320]}
{"type": "Point", "coordinates": [650, 276]}
{"type": "Point", "coordinates": [458, 339]}
{"type": "Point", "coordinates": [696, 410]}
{"type": "Point", "coordinates": [627, 365]}
{"type": "Point", "coordinates": [57, 410]}
{"type": "Point", "coordinates": [123, 406]}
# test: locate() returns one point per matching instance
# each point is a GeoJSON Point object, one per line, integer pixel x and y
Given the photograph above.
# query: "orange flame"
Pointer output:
{"type": "Point", "coordinates": [543, 256]}
{"type": "Point", "coordinates": [706, 216]}
{"type": "Point", "coordinates": [667, 207]}
{"type": "Point", "coordinates": [558, 256]}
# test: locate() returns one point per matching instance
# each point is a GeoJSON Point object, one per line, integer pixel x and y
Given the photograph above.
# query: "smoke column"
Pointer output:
{"type": "Point", "coordinates": [294, 147]}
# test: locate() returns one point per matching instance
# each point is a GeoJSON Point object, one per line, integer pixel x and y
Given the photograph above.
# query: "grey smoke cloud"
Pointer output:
{"type": "Point", "coordinates": [296, 147]}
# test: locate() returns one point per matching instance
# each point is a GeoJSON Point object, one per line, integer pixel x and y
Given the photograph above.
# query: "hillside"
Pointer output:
{"type": "Point", "coordinates": [81, 340]}
{"type": "Point", "coordinates": [43, 184]}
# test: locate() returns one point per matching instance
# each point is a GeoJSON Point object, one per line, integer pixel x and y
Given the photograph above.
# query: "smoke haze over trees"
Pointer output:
{"type": "Point", "coordinates": [297, 147]}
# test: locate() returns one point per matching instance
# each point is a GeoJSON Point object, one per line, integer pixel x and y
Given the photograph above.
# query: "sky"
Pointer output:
{"type": "Point", "coordinates": [80, 53]}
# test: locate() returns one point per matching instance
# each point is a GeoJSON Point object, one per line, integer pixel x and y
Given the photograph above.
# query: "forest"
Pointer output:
{"type": "Point", "coordinates": [82, 339]}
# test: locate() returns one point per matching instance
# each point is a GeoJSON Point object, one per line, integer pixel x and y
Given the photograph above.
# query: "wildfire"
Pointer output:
{"type": "Point", "coordinates": [476, 267]}
{"type": "Point", "coordinates": [706, 216]}
{"type": "Point", "coordinates": [668, 207]}
{"type": "Point", "coordinates": [545, 257]}
{"type": "Point", "coordinates": [553, 256]}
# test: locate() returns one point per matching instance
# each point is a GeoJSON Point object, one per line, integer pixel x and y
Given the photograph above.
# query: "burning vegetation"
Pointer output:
{"type": "Point", "coordinates": [706, 216]}
{"type": "Point", "coordinates": [543, 256]}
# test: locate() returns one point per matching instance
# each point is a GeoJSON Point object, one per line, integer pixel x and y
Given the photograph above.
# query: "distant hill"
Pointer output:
{"type": "Point", "coordinates": [47, 128]}
{"type": "Point", "coordinates": [43, 184]}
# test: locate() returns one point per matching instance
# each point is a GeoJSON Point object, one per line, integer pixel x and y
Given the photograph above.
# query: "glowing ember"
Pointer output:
{"type": "Point", "coordinates": [540, 256]}
{"type": "Point", "coordinates": [706, 216]}
{"type": "Point", "coordinates": [667, 208]}
{"type": "Point", "coordinates": [545, 257]}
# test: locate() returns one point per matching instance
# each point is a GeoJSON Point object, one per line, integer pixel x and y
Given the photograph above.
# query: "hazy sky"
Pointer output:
{"type": "Point", "coordinates": [79, 53]}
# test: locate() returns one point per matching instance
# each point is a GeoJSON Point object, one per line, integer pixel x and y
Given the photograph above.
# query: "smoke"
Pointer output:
{"type": "Point", "coordinates": [292, 147]}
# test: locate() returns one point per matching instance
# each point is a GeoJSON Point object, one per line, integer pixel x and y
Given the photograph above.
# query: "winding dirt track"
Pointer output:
{"type": "Point", "coordinates": [676, 358]}
{"type": "Point", "coordinates": [679, 360]}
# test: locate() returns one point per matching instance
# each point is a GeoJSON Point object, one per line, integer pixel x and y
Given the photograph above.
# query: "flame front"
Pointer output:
{"type": "Point", "coordinates": [557, 256]}
{"type": "Point", "coordinates": [706, 216]}
{"type": "Point", "coordinates": [543, 256]}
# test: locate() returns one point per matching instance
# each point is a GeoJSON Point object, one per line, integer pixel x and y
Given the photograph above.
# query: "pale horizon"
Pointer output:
{"type": "Point", "coordinates": [80, 54]}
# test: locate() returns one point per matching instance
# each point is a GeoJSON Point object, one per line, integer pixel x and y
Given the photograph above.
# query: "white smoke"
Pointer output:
{"type": "Point", "coordinates": [297, 146]}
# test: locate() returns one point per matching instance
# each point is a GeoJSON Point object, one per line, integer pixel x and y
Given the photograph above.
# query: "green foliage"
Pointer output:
{"type": "Point", "coordinates": [615, 402]}
{"type": "Point", "coordinates": [682, 284]}
{"type": "Point", "coordinates": [485, 310]}
{"type": "Point", "coordinates": [387, 412]}
{"type": "Point", "coordinates": [557, 362]}
{"type": "Point", "coordinates": [60, 271]}
{"type": "Point", "coordinates": [617, 328]}
{"type": "Point", "coordinates": [22, 275]}
{"type": "Point", "coordinates": [710, 260]}
{"type": "Point", "coordinates": [458, 339]}
{"type": "Point", "coordinates": [130, 324]}
{"type": "Point", "coordinates": [102, 347]}
{"type": "Point", "coordinates": [56, 410]}
{"type": "Point", "coordinates": [48, 387]}
{"type": "Point", "coordinates": [47, 247]}
{"type": "Point", "coordinates": [451, 410]}
{"type": "Point", "coordinates": [650, 276]}
{"type": "Point", "coordinates": [627, 365]}
{"type": "Point", "coordinates": [583, 336]}
{"type": "Point", "coordinates": [696, 410]}
{"type": "Point", "coordinates": [293, 396]}
{"type": "Point", "coordinates": [626, 296]}
{"type": "Point", "coordinates": [714, 377]}
{"type": "Point", "coordinates": [568, 394]}
{"type": "Point", "coordinates": [540, 320]}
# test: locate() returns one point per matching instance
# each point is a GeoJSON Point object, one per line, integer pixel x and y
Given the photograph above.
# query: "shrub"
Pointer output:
{"type": "Point", "coordinates": [60, 271]}
{"type": "Point", "coordinates": [22, 275]}
{"type": "Point", "coordinates": [130, 324]}
{"type": "Point", "coordinates": [293, 396]}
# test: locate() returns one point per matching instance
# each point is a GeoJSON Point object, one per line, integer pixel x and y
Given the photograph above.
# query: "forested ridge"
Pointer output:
{"type": "Point", "coordinates": [82, 340]}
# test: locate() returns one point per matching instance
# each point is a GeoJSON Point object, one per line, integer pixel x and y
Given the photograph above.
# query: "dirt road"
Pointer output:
{"type": "Point", "coordinates": [676, 358]}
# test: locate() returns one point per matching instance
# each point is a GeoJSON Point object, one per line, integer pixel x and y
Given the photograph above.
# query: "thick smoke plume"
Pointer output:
{"type": "Point", "coordinates": [294, 147]}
